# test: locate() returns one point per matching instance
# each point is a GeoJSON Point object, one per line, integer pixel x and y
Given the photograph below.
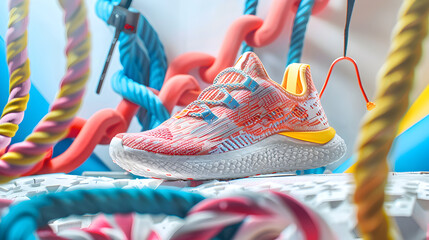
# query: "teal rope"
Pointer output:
{"type": "Point", "coordinates": [137, 93]}
{"type": "Point", "coordinates": [158, 69]}
{"type": "Point", "coordinates": [249, 9]}
{"type": "Point", "coordinates": [24, 218]}
{"type": "Point", "coordinates": [298, 33]}
{"type": "Point", "coordinates": [143, 58]}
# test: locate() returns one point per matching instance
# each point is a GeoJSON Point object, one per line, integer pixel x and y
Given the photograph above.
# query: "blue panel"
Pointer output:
{"type": "Point", "coordinates": [410, 151]}
{"type": "Point", "coordinates": [345, 165]}
{"type": "Point", "coordinates": [4, 75]}
{"type": "Point", "coordinates": [320, 170]}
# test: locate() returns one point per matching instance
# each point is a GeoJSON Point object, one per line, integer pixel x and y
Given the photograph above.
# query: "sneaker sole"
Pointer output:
{"type": "Point", "coordinates": [276, 153]}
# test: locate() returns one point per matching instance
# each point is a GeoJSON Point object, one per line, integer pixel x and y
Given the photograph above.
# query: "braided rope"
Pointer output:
{"type": "Point", "coordinates": [143, 58]}
{"type": "Point", "coordinates": [21, 157]}
{"type": "Point", "coordinates": [158, 68]}
{"type": "Point", "coordinates": [249, 9]}
{"type": "Point", "coordinates": [107, 227]}
{"type": "Point", "coordinates": [19, 68]}
{"type": "Point", "coordinates": [25, 217]}
{"type": "Point", "coordinates": [141, 95]}
{"type": "Point", "coordinates": [298, 33]}
{"type": "Point", "coordinates": [270, 213]}
{"type": "Point", "coordinates": [380, 125]}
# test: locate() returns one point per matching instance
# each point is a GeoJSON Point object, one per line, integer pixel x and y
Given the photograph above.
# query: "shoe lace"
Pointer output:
{"type": "Point", "coordinates": [225, 88]}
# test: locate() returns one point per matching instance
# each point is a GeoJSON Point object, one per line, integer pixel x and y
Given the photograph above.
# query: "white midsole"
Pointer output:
{"type": "Point", "coordinates": [276, 153]}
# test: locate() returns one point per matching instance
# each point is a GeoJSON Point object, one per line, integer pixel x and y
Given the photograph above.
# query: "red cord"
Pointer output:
{"type": "Point", "coordinates": [369, 105]}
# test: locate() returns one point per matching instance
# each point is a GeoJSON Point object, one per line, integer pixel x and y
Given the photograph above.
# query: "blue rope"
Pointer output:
{"type": "Point", "coordinates": [249, 9]}
{"type": "Point", "coordinates": [24, 218]}
{"type": "Point", "coordinates": [298, 33]}
{"type": "Point", "coordinates": [137, 93]}
{"type": "Point", "coordinates": [143, 58]}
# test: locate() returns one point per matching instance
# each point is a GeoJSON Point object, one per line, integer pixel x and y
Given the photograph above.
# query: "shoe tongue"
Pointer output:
{"type": "Point", "coordinates": [248, 63]}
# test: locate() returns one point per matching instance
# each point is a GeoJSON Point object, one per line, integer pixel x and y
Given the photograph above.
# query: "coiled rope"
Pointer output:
{"type": "Point", "coordinates": [380, 125]}
{"type": "Point", "coordinates": [21, 157]}
{"type": "Point", "coordinates": [145, 64]}
{"type": "Point", "coordinates": [19, 68]}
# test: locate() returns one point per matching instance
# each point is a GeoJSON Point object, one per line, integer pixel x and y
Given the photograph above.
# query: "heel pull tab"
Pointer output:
{"type": "Point", "coordinates": [294, 79]}
{"type": "Point", "coordinates": [369, 105]}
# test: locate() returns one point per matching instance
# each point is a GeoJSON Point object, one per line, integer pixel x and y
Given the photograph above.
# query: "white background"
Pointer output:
{"type": "Point", "coordinates": [200, 25]}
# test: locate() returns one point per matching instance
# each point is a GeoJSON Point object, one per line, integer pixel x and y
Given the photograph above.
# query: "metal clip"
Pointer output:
{"type": "Point", "coordinates": [124, 21]}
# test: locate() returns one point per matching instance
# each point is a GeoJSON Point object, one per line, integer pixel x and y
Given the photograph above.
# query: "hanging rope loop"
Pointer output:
{"type": "Point", "coordinates": [369, 105]}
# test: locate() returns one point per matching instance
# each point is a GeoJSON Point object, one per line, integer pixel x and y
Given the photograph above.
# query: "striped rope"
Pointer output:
{"type": "Point", "coordinates": [21, 157]}
{"type": "Point", "coordinates": [298, 33]}
{"type": "Point", "coordinates": [249, 9]}
{"type": "Point", "coordinates": [264, 216]}
{"type": "Point", "coordinates": [204, 218]}
{"type": "Point", "coordinates": [19, 68]}
{"type": "Point", "coordinates": [107, 227]}
{"type": "Point", "coordinates": [25, 217]}
{"type": "Point", "coordinates": [143, 58]}
{"type": "Point", "coordinates": [380, 125]}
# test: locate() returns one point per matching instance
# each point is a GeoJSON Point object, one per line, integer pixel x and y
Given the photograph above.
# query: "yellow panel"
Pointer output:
{"type": "Point", "coordinates": [417, 111]}
{"type": "Point", "coordinates": [320, 137]}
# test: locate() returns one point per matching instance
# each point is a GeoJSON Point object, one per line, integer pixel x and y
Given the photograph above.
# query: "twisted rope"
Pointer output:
{"type": "Point", "coordinates": [249, 9]}
{"type": "Point", "coordinates": [25, 217]}
{"type": "Point", "coordinates": [380, 125]}
{"type": "Point", "coordinates": [270, 211]}
{"type": "Point", "coordinates": [141, 95]}
{"type": "Point", "coordinates": [204, 219]}
{"type": "Point", "coordinates": [107, 227]}
{"type": "Point", "coordinates": [21, 157]}
{"type": "Point", "coordinates": [298, 32]}
{"type": "Point", "coordinates": [19, 68]}
{"type": "Point", "coordinates": [143, 58]}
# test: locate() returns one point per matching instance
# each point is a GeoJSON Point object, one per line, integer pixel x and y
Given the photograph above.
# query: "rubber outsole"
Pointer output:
{"type": "Point", "coordinates": [276, 153]}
